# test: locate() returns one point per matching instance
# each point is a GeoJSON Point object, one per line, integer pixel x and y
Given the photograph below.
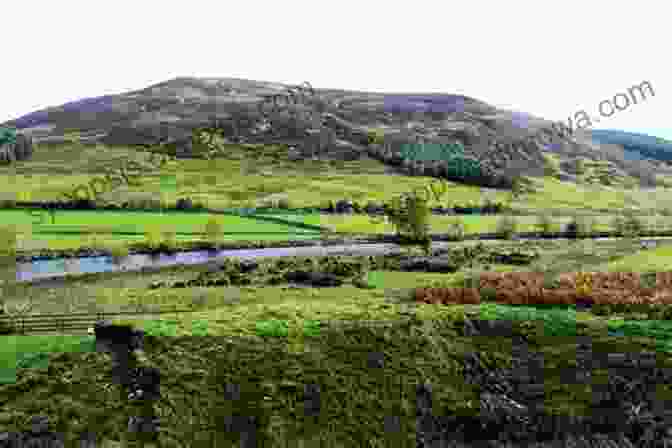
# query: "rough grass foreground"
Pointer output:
{"type": "Point", "coordinates": [366, 374]}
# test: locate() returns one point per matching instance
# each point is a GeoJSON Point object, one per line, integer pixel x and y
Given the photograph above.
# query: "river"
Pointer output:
{"type": "Point", "coordinates": [60, 267]}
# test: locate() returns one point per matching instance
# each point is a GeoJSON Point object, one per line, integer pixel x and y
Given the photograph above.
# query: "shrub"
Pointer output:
{"type": "Point", "coordinates": [284, 203]}
{"type": "Point", "coordinates": [628, 225]}
{"type": "Point", "coordinates": [95, 241]}
{"type": "Point", "coordinates": [545, 224]}
{"type": "Point", "coordinates": [456, 230]}
{"type": "Point", "coordinates": [184, 204]}
{"type": "Point", "coordinates": [647, 280]}
{"type": "Point", "coordinates": [83, 204]}
{"type": "Point", "coordinates": [551, 280]}
{"type": "Point", "coordinates": [269, 203]}
{"type": "Point", "coordinates": [7, 245]}
{"type": "Point", "coordinates": [213, 229]}
{"type": "Point", "coordinates": [168, 239]}
{"type": "Point", "coordinates": [119, 251]}
{"type": "Point", "coordinates": [418, 218]}
{"type": "Point", "coordinates": [572, 229]}
{"type": "Point", "coordinates": [581, 226]}
{"type": "Point", "coordinates": [488, 294]}
{"type": "Point", "coordinates": [153, 237]}
{"type": "Point", "coordinates": [507, 226]}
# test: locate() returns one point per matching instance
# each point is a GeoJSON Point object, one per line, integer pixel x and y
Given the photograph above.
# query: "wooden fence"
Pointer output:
{"type": "Point", "coordinates": [60, 323]}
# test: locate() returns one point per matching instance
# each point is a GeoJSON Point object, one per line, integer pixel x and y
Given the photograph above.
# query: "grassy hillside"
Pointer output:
{"type": "Point", "coordinates": [248, 176]}
{"type": "Point", "coordinates": [252, 175]}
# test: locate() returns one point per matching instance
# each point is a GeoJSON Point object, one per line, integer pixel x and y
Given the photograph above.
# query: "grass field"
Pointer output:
{"type": "Point", "coordinates": [256, 174]}
{"type": "Point", "coordinates": [472, 224]}
{"type": "Point", "coordinates": [74, 229]}
{"type": "Point", "coordinates": [264, 338]}
{"type": "Point", "coordinates": [106, 221]}
{"type": "Point", "coordinates": [251, 176]}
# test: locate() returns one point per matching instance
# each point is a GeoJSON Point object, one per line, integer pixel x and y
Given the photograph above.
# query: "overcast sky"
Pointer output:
{"type": "Point", "coordinates": [550, 59]}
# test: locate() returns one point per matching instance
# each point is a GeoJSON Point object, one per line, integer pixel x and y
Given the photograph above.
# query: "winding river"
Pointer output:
{"type": "Point", "coordinates": [61, 267]}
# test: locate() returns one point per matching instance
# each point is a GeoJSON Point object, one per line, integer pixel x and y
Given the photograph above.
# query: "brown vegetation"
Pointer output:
{"type": "Point", "coordinates": [528, 288]}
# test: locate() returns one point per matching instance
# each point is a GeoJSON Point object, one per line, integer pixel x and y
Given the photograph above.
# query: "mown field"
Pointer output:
{"type": "Point", "coordinates": [73, 229]}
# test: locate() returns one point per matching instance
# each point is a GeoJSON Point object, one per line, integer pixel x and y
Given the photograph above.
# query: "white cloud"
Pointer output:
{"type": "Point", "coordinates": [550, 59]}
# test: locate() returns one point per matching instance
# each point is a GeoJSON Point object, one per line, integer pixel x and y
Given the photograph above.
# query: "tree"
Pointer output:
{"type": "Point", "coordinates": [418, 217]}
{"type": "Point", "coordinates": [213, 229]}
{"type": "Point", "coordinates": [507, 226]}
{"type": "Point", "coordinates": [410, 216]}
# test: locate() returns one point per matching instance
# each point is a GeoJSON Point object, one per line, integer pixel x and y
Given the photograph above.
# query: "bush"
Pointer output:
{"type": "Point", "coordinates": [456, 230]}
{"type": "Point", "coordinates": [647, 280]}
{"type": "Point", "coordinates": [184, 204]}
{"type": "Point", "coordinates": [168, 240]}
{"type": "Point", "coordinates": [7, 245]}
{"type": "Point", "coordinates": [153, 238]}
{"type": "Point", "coordinates": [418, 218]}
{"type": "Point", "coordinates": [580, 226]}
{"type": "Point", "coordinates": [284, 204]}
{"type": "Point", "coordinates": [545, 224]}
{"type": "Point", "coordinates": [551, 280]}
{"type": "Point", "coordinates": [628, 225]}
{"type": "Point", "coordinates": [507, 226]}
{"type": "Point", "coordinates": [488, 294]}
{"type": "Point", "coordinates": [269, 203]}
{"type": "Point", "coordinates": [118, 252]}
{"type": "Point", "coordinates": [213, 229]}
{"type": "Point", "coordinates": [83, 204]}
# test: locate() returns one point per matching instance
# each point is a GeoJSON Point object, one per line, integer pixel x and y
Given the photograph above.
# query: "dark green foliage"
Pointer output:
{"type": "Point", "coordinates": [488, 294]}
{"type": "Point", "coordinates": [628, 225]}
{"type": "Point", "coordinates": [7, 135]}
{"type": "Point", "coordinates": [456, 230]}
{"type": "Point", "coordinates": [648, 280]}
{"type": "Point", "coordinates": [551, 281]}
{"type": "Point", "coordinates": [580, 226]}
{"type": "Point", "coordinates": [184, 204]}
